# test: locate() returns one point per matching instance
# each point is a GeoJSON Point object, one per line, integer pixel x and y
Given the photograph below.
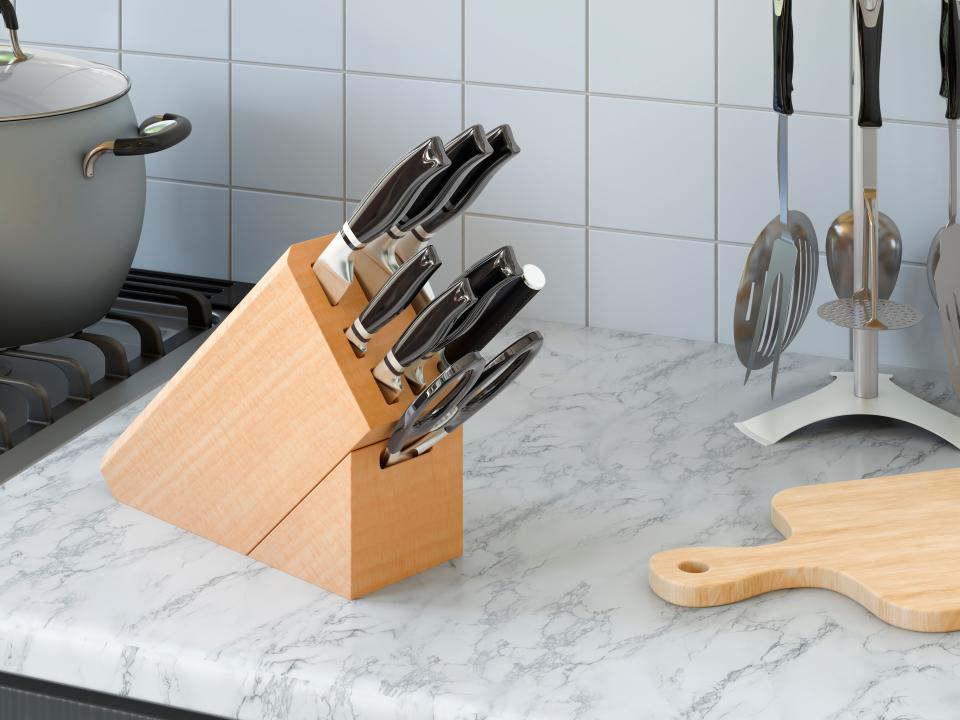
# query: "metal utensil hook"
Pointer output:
{"type": "Point", "coordinates": [10, 20]}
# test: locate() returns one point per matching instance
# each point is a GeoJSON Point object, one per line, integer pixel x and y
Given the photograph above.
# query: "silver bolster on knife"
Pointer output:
{"type": "Point", "coordinates": [388, 372]}
{"type": "Point", "coordinates": [334, 268]}
{"type": "Point", "coordinates": [358, 336]}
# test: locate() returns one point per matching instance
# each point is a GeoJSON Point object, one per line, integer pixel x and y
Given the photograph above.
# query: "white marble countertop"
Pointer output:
{"type": "Point", "coordinates": [612, 447]}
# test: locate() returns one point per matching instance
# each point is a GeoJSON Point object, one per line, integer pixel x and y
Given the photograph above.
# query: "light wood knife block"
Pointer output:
{"type": "Point", "coordinates": [268, 442]}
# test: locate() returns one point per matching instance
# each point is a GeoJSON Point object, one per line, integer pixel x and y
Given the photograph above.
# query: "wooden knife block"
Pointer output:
{"type": "Point", "coordinates": [268, 442]}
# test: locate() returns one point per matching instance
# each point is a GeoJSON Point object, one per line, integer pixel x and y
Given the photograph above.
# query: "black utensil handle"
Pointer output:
{"type": "Point", "coordinates": [400, 289]}
{"type": "Point", "coordinates": [9, 15]}
{"type": "Point", "coordinates": [465, 151]}
{"type": "Point", "coordinates": [388, 199]}
{"type": "Point", "coordinates": [491, 269]}
{"type": "Point", "coordinates": [156, 133]}
{"type": "Point", "coordinates": [480, 309]}
{"type": "Point", "coordinates": [783, 56]}
{"type": "Point", "coordinates": [504, 147]}
{"type": "Point", "coordinates": [870, 35]}
{"type": "Point", "coordinates": [950, 52]}
{"type": "Point", "coordinates": [944, 15]}
{"type": "Point", "coordinates": [498, 313]}
{"type": "Point", "coordinates": [497, 375]}
{"type": "Point", "coordinates": [427, 330]}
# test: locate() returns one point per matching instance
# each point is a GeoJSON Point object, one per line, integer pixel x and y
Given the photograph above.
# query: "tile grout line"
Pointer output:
{"type": "Point", "coordinates": [586, 165]}
{"type": "Point", "coordinates": [343, 110]}
{"type": "Point", "coordinates": [716, 171]}
{"type": "Point", "coordinates": [463, 119]}
{"type": "Point", "coordinates": [230, 140]}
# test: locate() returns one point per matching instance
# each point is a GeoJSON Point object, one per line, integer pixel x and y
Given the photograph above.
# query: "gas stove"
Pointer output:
{"type": "Point", "coordinates": [51, 392]}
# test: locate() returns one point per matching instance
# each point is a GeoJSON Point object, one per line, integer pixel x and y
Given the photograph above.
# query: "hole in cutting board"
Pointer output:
{"type": "Point", "coordinates": [693, 566]}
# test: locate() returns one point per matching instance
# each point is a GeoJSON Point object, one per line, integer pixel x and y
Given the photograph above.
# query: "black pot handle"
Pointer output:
{"type": "Point", "coordinates": [870, 34]}
{"type": "Point", "coordinates": [783, 56]}
{"type": "Point", "coordinates": [950, 55]}
{"type": "Point", "coordinates": [156, 133]}
{"type": "Point", "coordinates": [9, 14]}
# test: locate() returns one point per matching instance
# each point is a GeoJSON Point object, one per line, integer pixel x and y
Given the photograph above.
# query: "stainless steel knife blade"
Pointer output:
{"type": "Point", "coordinates": [377, 213]}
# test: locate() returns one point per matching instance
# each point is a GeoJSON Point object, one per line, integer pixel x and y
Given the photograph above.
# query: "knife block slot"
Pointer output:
{"type": "Point", "coordinates": [268, 442]}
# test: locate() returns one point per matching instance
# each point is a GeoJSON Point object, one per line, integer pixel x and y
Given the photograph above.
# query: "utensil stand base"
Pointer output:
{"type": "Point", "coordinates": [838, 400]}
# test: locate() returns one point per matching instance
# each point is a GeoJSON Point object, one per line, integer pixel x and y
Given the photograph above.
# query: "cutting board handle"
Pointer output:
{"type": "Point", "coordinates": [708, 576]}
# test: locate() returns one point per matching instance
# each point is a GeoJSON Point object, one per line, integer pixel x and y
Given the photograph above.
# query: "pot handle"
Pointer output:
{"type": "Point", "coordinates": [10, 20]}
{"type": "Point", "coordinates": [156, 133]}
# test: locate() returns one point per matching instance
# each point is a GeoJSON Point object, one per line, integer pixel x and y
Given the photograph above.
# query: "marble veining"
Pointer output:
{"type": "Point", "coordinates": [611, 447]}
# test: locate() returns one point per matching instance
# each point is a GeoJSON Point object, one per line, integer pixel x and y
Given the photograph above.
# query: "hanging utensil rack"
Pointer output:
{"type": "Point", "coordinates": [864, 391]}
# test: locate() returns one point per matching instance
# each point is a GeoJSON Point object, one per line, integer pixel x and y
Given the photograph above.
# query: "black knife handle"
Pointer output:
{"type": "Point", "coordinates": [379, 210]}
{"type": "Point", "coordinates": [950, 52]}
{"type": "Point", "coordinates": [870, 34]}
{"type": "Point", "coordinates": [479, 309]}
{"type": "Point", "coordinates": [504, 147]}
{"type": "Point", "coordinates": [427, 330]}
{"type": "Point", "coordinates": [491, 269]}
{"type": "Point", "coordinates": [465, 151]}
{"type": "Point", "coordinates": [400, 289]}
{"type": "Point", "coordinates": [944, 15]}
{"type": "Point", "coordinates": [510, 301]}
{"type": "Point", "coordinates": [783, 56]}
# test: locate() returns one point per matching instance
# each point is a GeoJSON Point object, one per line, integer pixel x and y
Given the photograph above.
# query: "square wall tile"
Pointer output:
{"type": "Point", "coordinates": [816, 337]}
{"type": "Point", "coordinates": [910, 62]}
{"type": "Point", "coordinates": [265, 225]}
{"type": "Point", "coordinates": [652, 48]}
{"type": "Point", "coordinates": [288, 130]}
{"type": "Point", "coordinates": [290, 32]}
{"type": "Point", "coordinates": [559, 251]}
{"type": "Point", "coordinates": [95, 23]}
{"type": "Point", "coordinates": [913, 183]}
{"type": "Point", "coordinates": [104, 57]}
{"type": "Point", "coordinates": [636, 281]}
{"type": "Point", "coordinates": [821, 73]}
{"type": "Point", "coordinates": [448, 242]}
{"type": "Point", "coordinates": [196, 89]}
{"type": "Point", "coordinates": [180, 27]}
{"type": "Point", "coordinates": [540, 43]}
{"type": "Point", "coordinates": [387, 117]}
{"type": "Point", "coordinates": [547, 180]}
{"type": "Point", "coordinates": [651, 167]}
{"type": "Point", "coordinates": [185, 229]}
{"type": "Point", "coordinates": [819, 165]}
{"type": "Point", "coordinates": [920, 346]}
{"type": "Point", "coordinates": [414, 37]}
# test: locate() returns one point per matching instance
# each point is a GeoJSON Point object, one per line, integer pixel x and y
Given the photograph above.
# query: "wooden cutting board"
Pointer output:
{"type": "Point", "coordinates": [890, 543]}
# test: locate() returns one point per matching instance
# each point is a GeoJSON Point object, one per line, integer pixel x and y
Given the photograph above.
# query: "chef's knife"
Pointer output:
{"type": "Point", "coordinates": [423, 426]}
{"type": "Point", "coordinates": [484, 275]}
{"type": "Point", "coordinates": [504, 147]}
{"type": "Point", "coordinates": [505, 302]}
{"type": "Point", "coordinates": [377, 213]}
{"type": "Point", "coordinates": [465, 151]}
{"type": "Point", "coordinates": [423, 335]}
{"type": "Point", "coordinates": [393, 297]}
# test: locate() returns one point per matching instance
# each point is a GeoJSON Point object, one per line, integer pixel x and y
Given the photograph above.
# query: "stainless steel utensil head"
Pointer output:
{"type": "Point", "coordinates": [947, 283]}
{"type": "Point", "coordinates": [854, 314]}
{"type": "Point", "coordinates": [839, 251]}
{"type": "Point", "coordinates": [749, 292]}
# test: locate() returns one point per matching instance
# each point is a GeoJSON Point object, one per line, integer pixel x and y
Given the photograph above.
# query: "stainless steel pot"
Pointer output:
{"type": "Point", "coordinates": [72, 190]}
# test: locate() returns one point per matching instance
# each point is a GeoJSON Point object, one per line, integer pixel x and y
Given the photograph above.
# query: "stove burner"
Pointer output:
{"type": "Point", "coordinates": [156, 322]}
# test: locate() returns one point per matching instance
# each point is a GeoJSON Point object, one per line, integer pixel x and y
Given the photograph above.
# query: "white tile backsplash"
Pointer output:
{"type": "Point", "coordinates": [298, 149]}
{"type": "Point", "coordinates": [185, 229]}
{"type": "Point", "coordinates": [546, 181]}
{"type": "Point", "coordinates": [517, 43]}
{"type": "Point", "coordinates": [198, 90]}
{"type": "Point", "coordinates": [648, 145]}
{"type": "Point", "coordinates": [414, 37]}
{"type": "Point", "coordinates": [652, 167]}
{"type": "Point", "coordinates": [289, 32]}
{"type": "Point", "coordinates": [652, 48]}
{"type": "Point", "coordinates": [559, 251]}
{"type": "Point", "coordinates": [180, 27]}
{"type": "Point", "coordinates": [651, 284]}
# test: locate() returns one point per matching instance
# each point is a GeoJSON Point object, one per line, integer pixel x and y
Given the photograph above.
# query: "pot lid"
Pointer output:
{"type": "Point", "coordinates": [48, 83]}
